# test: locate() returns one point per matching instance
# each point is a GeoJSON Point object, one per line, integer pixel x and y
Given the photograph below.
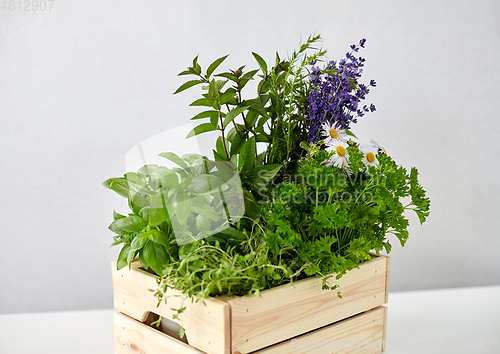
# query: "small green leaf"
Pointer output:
{"type": "Point", "coordinates": [203, 102]}
{"type": "Point", "coordinates": [232, 235]}
{"type": "Point", "coordinates": [156, 256]}
{"type": "Point", "coordinates": [119, 185]}
{"type": "Point", "coordinates": [200, 129]}
{"type": "Point", "coordinates": [204, 183]}
{"type": "Point", "coordinates": [144, 212]}
{"type": "Point", "coordinates": [266, 172]}
{"type": "Point", "coordinates": [158, 212]}
{"type": "Point", "coordinates": [128, 224]}
{"type": "Point", "coordinates": [233, 114]}
{"type": "Point", "coordinates": [220, 146]}
{"type": "Point", "coordinates": [197, 69]}
{"type": "Point", "coordinates": [247, 155]}
{"type": "Point", "coordinates": [215, 65]}
{"type": "Point", "coordinates": [219, 157]}
{"type": "Point", "coordinates": [203, 223]}
{"type": "Point", "coordinates": [165, 177]}
{"type": "Point", "coordinates": [188, 84]}
{"type": "Point", "coordinates": [138, 242]}
{"type": "Point", "coordinates": [176, 159]}
{"type": "Point", "coordinates": [117, 216]}
{"type": "Point", "coordinates": [182, 206]}
{"type": "Point", "coordinates": [350, 133]}
{"type": "Point", "coordinates": [249, 76]}
{"type": "Point", "coordinates": [227, 96]}
{"type": "Point", "coordinates": [206, 210]}
{"type": "Point", "coordinates": [159, 237]}
{"type": "Point", "coordinates": [206, 114]}
{"type": "Point", "coordinates": [229, 76]}
{"type": "Point", "coordinates": [237, 143]}
{"type": "Point", "coordinates": [122, 257]}
{"type": "Point", "coordinates": [263, 138]}
{"type": "Point", "coordinates": [261, 62]}
{"type": "Point", "coordinates": [190, 71]}
{"type": "Point", "coordinates": [257, 106]}
{"type": "Point", "coordinates": [143, 261]}
{"type": "Point", "coordinates": [251, 118]}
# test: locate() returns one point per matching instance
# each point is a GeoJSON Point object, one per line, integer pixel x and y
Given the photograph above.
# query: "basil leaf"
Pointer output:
{"type": "Point", "coordinates": [122, 257]}
{"type": "Point", "coordinates": [156, 256]}
{"type": "Point", "coordinates": [128, 224]}
{"type": "Point", "coordinates": [158, 212]}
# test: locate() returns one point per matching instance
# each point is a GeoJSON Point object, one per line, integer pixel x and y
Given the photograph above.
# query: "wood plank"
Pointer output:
{"type": "Point", "coordinates": [285, 312]}
{"type": "Point", "coordinates": [388, 273]}
{"type": "Point", "coordinates": [363, 334]}
{"type": "Point", "coordinates": [207, 325]}
{"type": "Point", "coordinates": [132, 337]}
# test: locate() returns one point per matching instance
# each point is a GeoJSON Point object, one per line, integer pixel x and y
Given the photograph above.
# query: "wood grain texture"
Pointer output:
{"type": "Point", "coordinates": [285, 312]}
{"type": "Point", "coordinates": [388, 274]}
{"type": "Point", "coordinates": [238, 325]}
{"type": "Point", "coordinates": [363, 333]}
{"type": "Point", "coordinates": [207, 325]}
{"type": "Point", "coordinates": [134, 337]}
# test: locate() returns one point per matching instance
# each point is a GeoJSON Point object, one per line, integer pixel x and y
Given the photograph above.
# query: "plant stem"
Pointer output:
{"type": "Point", "coordinates": [222, 131]}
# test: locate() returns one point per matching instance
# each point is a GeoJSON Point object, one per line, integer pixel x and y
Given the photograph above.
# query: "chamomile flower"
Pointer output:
{"type": "Point", "coordinates": [380, 148]}
{"type": "Point", "coordinates": [331, 133]}
{"type": "Point", "coordinates": [369, 154]}
{"type": "Point", "coordinates": [341, 156]}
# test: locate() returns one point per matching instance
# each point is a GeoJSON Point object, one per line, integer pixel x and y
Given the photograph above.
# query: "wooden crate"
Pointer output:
{"type": "Point", "coordinates": [250, 324]}
{"type": "Point", "coordinates": [363, 333]}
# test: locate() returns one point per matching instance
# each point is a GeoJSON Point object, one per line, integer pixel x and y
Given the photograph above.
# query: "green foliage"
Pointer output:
{"type": "Point", "coordinates": [274, 117]}
{"type": "Point", "coordinates": [330, 220]}
{"type": "Point", "coordinates": [289, 214]}
{"type": "Point", "coordinates": [173, 206]}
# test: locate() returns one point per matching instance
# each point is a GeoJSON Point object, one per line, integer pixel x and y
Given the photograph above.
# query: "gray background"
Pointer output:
{"type": "Point", "coordinates": [82, 84]}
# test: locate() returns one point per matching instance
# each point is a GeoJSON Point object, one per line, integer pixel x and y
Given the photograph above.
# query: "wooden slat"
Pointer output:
{"type": "Point", "coordinates": [363, 334]}
{"type": "Point", "coordinates": [207, 325]}
{"type": "Point", "coordinates": [246, 324]}
{"type": "Point", "coordinates": [133, 337]}
{"type": "Point", "coordinates": [388, 273]}
{"type": "Point", "coordinates": [285, 312]}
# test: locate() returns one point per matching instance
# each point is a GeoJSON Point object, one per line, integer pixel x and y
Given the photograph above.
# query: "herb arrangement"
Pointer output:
{"type": "Point", "coordinates": [312, 202]}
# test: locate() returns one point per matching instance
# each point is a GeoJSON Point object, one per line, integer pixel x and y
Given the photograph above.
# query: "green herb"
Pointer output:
{"type": "Point", "coordinates": [245, 222]}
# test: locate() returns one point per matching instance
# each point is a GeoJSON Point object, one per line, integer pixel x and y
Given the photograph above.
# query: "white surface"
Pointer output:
{"type": "Point", "coordinates": [444, 321]}
{"type": "Point", "coordinates": [438, 321]}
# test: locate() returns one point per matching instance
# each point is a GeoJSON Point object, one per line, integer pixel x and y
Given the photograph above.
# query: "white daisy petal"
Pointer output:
{"type": "Point", "coordinates": [331, 133]}
{"type": "Point", "coordinates": [369, 154]}
{"type": "Point", "coordinates": [340, 158]}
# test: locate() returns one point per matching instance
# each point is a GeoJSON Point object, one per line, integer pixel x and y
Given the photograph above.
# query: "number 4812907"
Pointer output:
{"type": "Point", "coordinates": [27, 5]}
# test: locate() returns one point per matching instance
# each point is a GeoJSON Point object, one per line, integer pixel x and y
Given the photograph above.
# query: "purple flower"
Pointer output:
{"type": "Point", "coordinates": [335, 94]}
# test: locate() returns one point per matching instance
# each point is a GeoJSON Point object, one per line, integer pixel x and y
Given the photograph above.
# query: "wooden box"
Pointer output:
{"type": "Point", "coordinates": [283, 320]}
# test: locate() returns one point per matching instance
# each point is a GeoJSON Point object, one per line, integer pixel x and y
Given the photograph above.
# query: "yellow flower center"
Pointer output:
{"type": "Point", "coordinates": [341, 150]}
{"type": "Point", "coordinates": [334, 134]}
{"type": "Point", "coordinates": [370, 157]}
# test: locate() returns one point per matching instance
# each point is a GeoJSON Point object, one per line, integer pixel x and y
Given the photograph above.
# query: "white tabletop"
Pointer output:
{"type": "Point", "coordinates": [454, 321]}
